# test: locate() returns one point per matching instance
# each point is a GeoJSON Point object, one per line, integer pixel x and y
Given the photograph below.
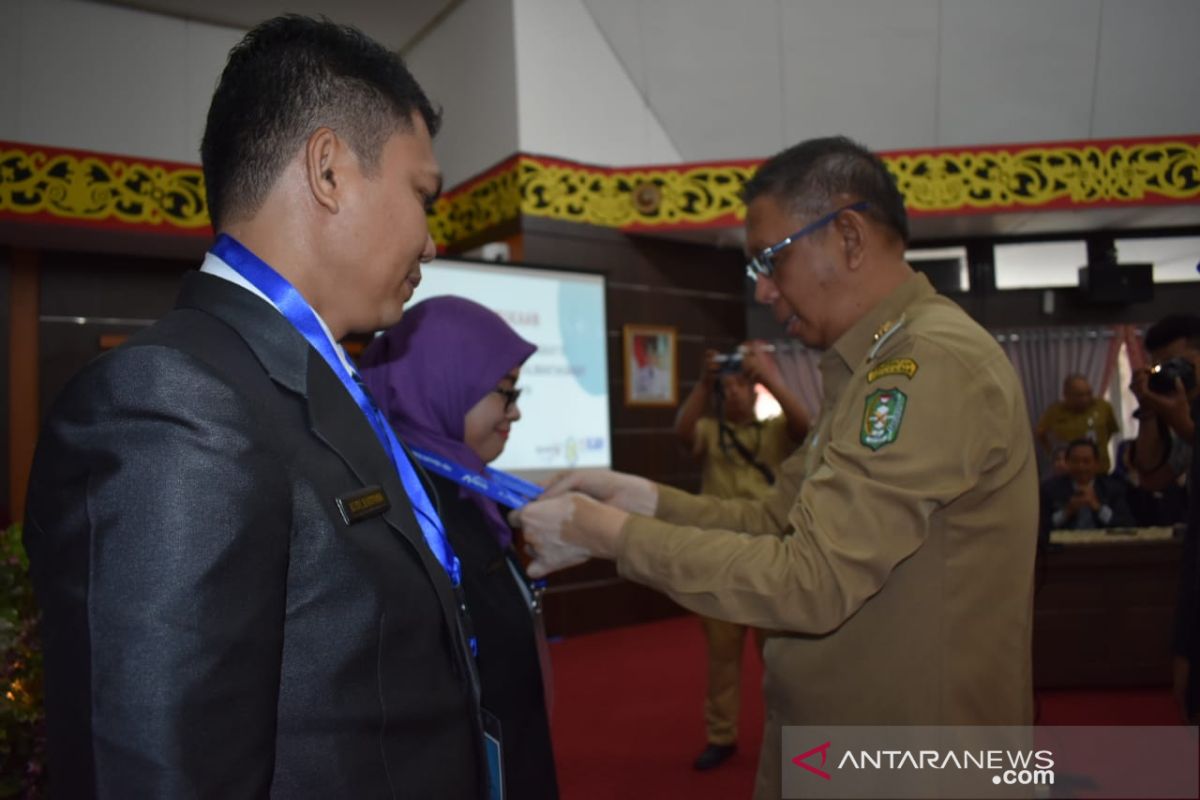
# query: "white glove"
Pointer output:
{"type": "Point", "coordinates": [626, 492]}
{"type": "Point", "coordinates": [542, 523]}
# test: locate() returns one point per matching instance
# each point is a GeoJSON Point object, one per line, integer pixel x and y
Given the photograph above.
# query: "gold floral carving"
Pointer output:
{"type": "Point", "coordinates": [110, 190]}
{"type": "Point", "coordinates": [1048, 176]}
{"type": "Point", "coordinates": [477, 207]}
{"type": "Point", "coordinates": [101, 190]}
{"type": "Point", "coordinates": [1002, 179]}
{"type": "Point", "coordinates": [669, 196]}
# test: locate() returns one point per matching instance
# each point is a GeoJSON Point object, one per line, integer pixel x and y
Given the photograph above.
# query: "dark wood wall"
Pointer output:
{"type": "Point", "coordinates": [84, 296]}
{"type": "Point", "coordinates": [699, 290]}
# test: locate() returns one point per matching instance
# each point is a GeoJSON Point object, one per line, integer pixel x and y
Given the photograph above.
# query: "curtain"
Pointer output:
{"type": "Point", "coordinates": [1133, 337]}
{"type": "Point", "coordinates": [1044, 357]}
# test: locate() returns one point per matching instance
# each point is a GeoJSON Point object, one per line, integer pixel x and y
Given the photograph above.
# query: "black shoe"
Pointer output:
{"type": "Point", "coordinates": [714, 756]}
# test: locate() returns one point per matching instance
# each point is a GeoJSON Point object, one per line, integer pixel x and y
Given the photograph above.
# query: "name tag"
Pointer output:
{"type": "Point", "coordinates": [495, 755]}
{"type": "Point", "coordinates": [363, 504]}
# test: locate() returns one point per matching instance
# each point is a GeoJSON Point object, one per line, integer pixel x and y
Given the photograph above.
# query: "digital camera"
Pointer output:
{"type": "Point", "coordinates": [1162, 377]}
{"type": "Point", "coordinates": [729, 363]}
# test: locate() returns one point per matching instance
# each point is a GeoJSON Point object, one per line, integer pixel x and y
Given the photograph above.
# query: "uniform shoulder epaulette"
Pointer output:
{"type": "Point", "coordinates": [884, 332]}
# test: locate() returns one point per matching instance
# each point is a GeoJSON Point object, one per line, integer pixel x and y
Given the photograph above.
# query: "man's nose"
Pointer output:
{"type": "Point", "coordinates": [765, 290]}
{"type": "Point", "coordinates": [430, 250]}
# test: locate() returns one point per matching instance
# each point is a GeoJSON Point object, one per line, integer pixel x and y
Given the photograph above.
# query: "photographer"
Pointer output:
{"type": "Point", "coordinates": [741, 455]}
{"type": "Point", "coordinates": [1162, 451]}
{"type": "Point", "coordinates": [1166, 448]}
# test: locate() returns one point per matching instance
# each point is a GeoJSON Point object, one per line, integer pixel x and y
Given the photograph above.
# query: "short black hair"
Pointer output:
{"type": "Point", "coordinates": [807, 176]}
{"type": "Point", "coordinates": [1173, 327]}
{"type": "Point", "coordinates": [289, 76]}
{"type": "Point", "coordinates": [1084, 443]}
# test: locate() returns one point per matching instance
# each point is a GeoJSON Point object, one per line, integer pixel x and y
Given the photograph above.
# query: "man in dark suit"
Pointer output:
{"type": "Point", "coordinates": [245, 589]}
{"type": "Point", "coordinates": [1084, 498]}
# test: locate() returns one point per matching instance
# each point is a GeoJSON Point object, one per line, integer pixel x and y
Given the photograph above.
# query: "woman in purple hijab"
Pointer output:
{"type": "Point", "coordinates": [445, 377]}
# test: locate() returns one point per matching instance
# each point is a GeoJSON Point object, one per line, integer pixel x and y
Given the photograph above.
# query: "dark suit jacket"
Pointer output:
{"type": "Point", "coordinates": [211, 625]}
{"type": "Point", "coordinates": [509, 668]}
{"type": "Point", "coordinates": [1057, 492]}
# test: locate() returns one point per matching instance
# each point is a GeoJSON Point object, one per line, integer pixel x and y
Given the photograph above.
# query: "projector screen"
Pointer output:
{"type": "Point", "coordinates": [564, 405]}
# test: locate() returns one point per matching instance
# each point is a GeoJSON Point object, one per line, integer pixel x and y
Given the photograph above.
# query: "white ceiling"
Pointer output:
{"type": "Point", "coordinates": [748, 78]}
{"type": "Point", "coordinates": [395, 23]}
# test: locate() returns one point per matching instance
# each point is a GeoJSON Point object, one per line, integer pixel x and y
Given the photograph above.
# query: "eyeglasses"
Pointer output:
{"type": "Point", "coordinates": [763, 264]}
{"type": "Point", "coordinates": [510, 396]}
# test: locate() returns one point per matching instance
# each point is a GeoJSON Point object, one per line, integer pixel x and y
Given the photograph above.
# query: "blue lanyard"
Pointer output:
{"type": "Point", "coordinates": [300, 314]}
{"type": "Point", "coordinates": [508, 490]}
{"type": "Point", "coordinates": [530, 491]}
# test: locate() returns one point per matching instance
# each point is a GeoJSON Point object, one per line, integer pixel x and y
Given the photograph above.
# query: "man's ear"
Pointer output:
{"type": "Point", "coordinates": [852, 228]}
{"type": "Point", "coordinates": [323, 161]}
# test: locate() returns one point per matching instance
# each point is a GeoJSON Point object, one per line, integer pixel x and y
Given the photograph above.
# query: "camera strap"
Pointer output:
{"type": "Point", "coordinates": [727, 433]}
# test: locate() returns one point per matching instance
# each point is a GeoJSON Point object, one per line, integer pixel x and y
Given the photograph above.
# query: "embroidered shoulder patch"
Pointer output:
{"type": "Point", "coordinates": [896, 366]}
{"type": "Point", "coordinates": [882, 417]}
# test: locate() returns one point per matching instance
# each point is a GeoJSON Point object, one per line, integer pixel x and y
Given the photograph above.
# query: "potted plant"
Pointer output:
{"type": "Point", "coordinates": [22, 719]}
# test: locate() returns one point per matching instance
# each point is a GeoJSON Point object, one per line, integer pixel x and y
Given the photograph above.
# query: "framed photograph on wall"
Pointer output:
{"type": "Point", "coordinates": [650, 366]}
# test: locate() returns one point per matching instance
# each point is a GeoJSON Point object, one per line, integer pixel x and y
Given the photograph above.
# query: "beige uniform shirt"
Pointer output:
{"type": "Point", "coordinates": [1097, 422]}
{"type": "Point", "coordinates": [905, 534]}
{"type": "Point", "coordinates": [726, 473]}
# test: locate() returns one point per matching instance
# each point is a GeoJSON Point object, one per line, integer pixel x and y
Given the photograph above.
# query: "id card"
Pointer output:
{"type": "Point", "coordinates": [491, 741]}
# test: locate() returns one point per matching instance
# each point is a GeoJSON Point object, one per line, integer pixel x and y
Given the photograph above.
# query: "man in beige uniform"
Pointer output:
{"type": "Point", "coordinates": [900, 540]}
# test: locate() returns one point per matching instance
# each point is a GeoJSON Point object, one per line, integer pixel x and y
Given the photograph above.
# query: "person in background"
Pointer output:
{"type": "Point", "coordinates": [1079, 415]}
{"type": "Point", "coordinates": [1083, 498]}
{"type": "Point", "coordinates": [1161, 454]}
{"type": "Point", "coordinates": [446, 379]}
{"type": "Point", "coordinates": [1167, 448]}
{"type": "Point", "coordinates": [245, 589]}
{"type": "Point", "coordinates": [1058, 462]}
{"type": "Point", "coordinates": [741, 456]}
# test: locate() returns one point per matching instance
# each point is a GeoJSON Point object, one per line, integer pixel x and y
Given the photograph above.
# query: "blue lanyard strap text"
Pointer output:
{"type": "Point", "coordinates": [507, 490]}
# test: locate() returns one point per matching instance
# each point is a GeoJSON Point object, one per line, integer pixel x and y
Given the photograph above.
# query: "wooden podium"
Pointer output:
{"type": "Point", "coordinates": [1104, 608]}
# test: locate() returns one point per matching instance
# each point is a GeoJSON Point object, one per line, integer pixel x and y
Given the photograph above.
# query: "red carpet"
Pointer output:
{"type": "Point", "coordinates": [628, 715]}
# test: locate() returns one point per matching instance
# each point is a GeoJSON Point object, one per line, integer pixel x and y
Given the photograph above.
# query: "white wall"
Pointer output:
{"type": "Point", "coordinates": [98, 77]}
{"type": "Point", "coordinates": [1017, 71]}
{"type": "Point", "coordinates": [626, 82]}
{"type": "Point", "coordinates": [574, 97]}
{"type": "Point", "coordinates": [1146, 82]}
{"type": "Point", "coordinates": [865, 69]}
{"type": "Point", "coordinates": [748, 78]}
{"type": "Point", "coordinates": [468, 66]}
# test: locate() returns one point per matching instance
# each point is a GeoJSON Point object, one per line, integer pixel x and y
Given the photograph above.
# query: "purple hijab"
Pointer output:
{"type": "Point", "coordinates": [430, 369]}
